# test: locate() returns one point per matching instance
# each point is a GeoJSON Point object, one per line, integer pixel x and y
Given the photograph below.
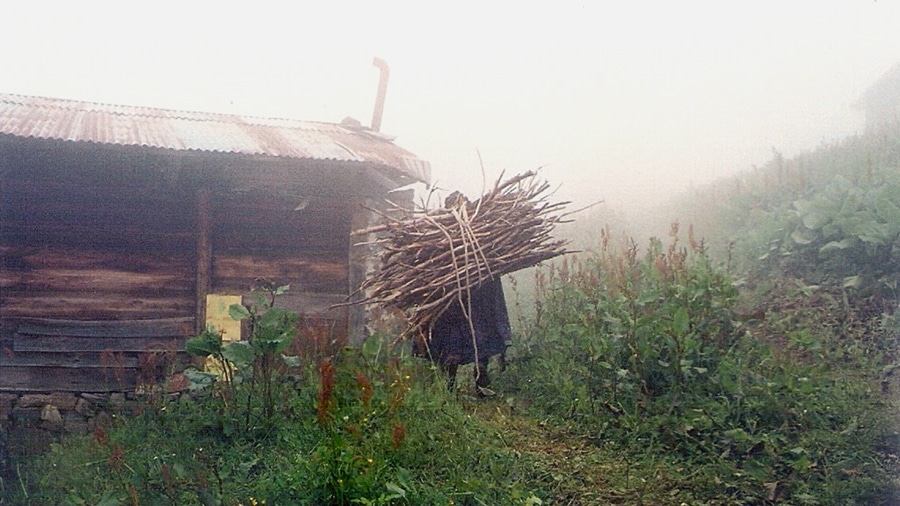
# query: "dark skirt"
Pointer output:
{"type": "Point", "coordinates": [451, 341]}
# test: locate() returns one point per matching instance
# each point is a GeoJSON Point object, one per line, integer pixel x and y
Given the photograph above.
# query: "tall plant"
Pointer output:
{"type": "Point", "coordinates": [632, 329]}
{"type": "Point", "coordinates": [256, 362]}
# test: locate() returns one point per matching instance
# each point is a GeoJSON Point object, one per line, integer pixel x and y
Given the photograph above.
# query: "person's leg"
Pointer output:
{"type": "Point", "coordinates": [482, 380]}
{"type": "Point", "coordinates": [451, 375]}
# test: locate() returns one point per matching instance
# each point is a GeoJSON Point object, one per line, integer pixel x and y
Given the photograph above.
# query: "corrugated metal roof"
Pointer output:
{"type": "Point", "coordinates": [77, 121]}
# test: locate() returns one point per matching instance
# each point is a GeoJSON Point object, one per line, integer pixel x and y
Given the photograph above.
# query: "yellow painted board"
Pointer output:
{"type": "Point", "coordinates": [217, 315]}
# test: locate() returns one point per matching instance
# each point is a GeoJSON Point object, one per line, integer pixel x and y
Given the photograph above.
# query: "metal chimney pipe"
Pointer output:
{"type": "Point", "coordinates": [382, 92]}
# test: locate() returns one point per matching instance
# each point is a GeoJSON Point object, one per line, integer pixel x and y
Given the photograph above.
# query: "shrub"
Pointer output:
{"type": "Point", "coordinates": [368, 426]}
{"type": "Point", "coordinates": [645, 353]}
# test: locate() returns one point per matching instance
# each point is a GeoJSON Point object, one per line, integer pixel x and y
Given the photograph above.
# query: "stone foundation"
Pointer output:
{"type": "Point", "coordinates": [31, 422]}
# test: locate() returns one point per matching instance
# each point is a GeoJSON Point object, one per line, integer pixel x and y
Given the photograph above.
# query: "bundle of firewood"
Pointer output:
{"type": "Point", "coordinates": [432, 258]}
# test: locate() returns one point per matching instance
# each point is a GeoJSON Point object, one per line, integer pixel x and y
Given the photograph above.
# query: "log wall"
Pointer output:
{"type": "Point", "coordinates": [265, 237]}
{"type": "Point", "coordinates": [93, 269]}
{"type": "Point", "coordinates": [102, 261]}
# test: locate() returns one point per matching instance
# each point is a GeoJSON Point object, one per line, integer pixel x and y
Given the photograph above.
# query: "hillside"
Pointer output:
{"type": "Point", "coordinates": [827, 216]}
{"type": "Point", "coordinates": [747, 357]}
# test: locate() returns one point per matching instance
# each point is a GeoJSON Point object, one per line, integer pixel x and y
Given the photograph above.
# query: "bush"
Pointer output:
{"type": "Point", "coordinates": [645, 353]}
{"type": "Point", "coordinates": [368, 426]}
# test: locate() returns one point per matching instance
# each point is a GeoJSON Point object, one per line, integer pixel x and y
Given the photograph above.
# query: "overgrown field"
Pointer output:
{"type": "Point", "coordinates": [650, 356]}
{"type": "Point", "coordinates": [758, 365]}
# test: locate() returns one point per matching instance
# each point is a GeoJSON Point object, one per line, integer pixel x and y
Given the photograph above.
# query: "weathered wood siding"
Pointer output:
{"type": "Point", "coordinates": [91, 356]}
{"type": "Point", "coordinates": [266, 237]}
{"type": "Point", "coordinates": [88, 242]}
{"type": "Point", "coordinates": [102, 259]}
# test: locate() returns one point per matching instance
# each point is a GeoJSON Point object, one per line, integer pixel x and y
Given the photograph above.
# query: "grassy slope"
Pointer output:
{"type": "Point", "coordinates": [740, 219]}
{"type": "Point", "coordinates": [502, 450]}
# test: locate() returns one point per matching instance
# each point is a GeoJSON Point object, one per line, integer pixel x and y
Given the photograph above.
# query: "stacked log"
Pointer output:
{"type": "Point", "coordinates": [432, 258]}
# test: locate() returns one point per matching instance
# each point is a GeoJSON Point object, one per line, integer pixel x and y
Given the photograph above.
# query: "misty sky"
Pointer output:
{"type": "Point", "coordinates": [622, 101]}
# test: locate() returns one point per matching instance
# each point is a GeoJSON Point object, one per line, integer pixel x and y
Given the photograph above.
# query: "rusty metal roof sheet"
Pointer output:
{"type": "Point", "coordinates": [77, 121]}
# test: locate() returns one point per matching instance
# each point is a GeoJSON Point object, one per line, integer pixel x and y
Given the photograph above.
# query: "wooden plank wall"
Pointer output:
{"type": "Point", "coordinates": [95, 254]}
{"type": "Point", "coordinates": [79, 284]}
{"type": "Point", "coordinates": [107, 237]}
{"type": "Point", "coordinates": [267, 237]}
{"type": "Point", "coordinates": [91, 356]}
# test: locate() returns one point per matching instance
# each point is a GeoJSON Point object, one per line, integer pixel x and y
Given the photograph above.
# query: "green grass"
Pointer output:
{"type": "Point", "coordinates": [390, 434]}
{"type": "Point", "coordinates": [807, 424]}
{"type": "Point", "coordinates": [646, 355]}
{"type": "Point", "coordinates": [640, 376]}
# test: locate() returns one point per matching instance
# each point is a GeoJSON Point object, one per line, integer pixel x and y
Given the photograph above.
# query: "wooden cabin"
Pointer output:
{"type": "Point", "coordinates": [125, 230]}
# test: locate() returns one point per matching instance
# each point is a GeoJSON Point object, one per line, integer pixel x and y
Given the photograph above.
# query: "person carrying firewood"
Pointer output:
{"type": "Point", "coordinates": [474, 328]}
{"type": "Point", "coordinates": [442, 269]}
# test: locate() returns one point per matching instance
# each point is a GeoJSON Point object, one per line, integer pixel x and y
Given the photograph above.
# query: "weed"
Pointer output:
{"type": "Point", "coordinates": [645, 353]}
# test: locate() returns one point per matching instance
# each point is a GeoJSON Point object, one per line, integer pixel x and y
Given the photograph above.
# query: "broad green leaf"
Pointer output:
{"type": "Point", "coordinates": [864, 225]}
{"type": "Point", "coordinates": [239, 353]}
{"type": "Point", "coordinates": [737, 435]}
{"type": "Point", "coordinates": [238, 312]}
{"type": "Point", "coordinates": [262, 299]}
{"type": "Point", "coordinates": [209, 342]}
{"type": "Point", "coordinates": [802, 237]}
{"type": "Point", "coordinates": [199, 379]}
{"type": "Point", "coordinates": [851, 205]}
{"type": "Point", "coordinates": [835, 246]}
{"type": "Point", "coordinates": [397, 491]}
{"type": "Point", "coordinates": [533, 500]}
{"type": "Point", "coordinates": [852, 282]}
{"type": "Point", "coordinates": [801, 465]}
{"type": "Point", "coordinates": [815, 219]}
{"type": "Point", "coordinates": [802, 206]}
{"type": "Point", "coordinates": [292, 360]}
{"type": "Point", "coordinates": [887, 210]}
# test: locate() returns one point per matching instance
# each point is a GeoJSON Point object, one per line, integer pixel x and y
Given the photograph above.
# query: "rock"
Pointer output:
{"type": "Point", "coordinates": [7, 401]}
{"type": "Point", "coordinates": [178, 383]}
{"type": "Point", "coordinates": [24, 417]}
{"type": "Point", "coordinates": [51, 418]}
{"type": "Point", "coordinates": [74, 423]}
{"type": "Point", "coordinates": [103, 419]}
{"type": "Point", "coordinates": [50, 413]}
{"type": "Point", "coordinates": [34, 400]}
{"type": "Point", "coordinates": [63, 401]}
{"type": "Point", "coordinates": [85, 408]}
{"type": "Point", "coordinates": [117, 401]}
{"type": "Point", "coordinates": [96, 399]}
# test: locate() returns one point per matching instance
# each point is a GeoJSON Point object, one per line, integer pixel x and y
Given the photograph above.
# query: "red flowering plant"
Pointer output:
{"type": "Point", "coordinates": [359, 409]}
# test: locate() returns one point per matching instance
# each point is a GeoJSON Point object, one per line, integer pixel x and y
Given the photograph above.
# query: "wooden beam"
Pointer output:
{"type": "Point", "coordinates": [204, 254]}
{"type": "Point", "coordinates": [164, 327]}
{"type": "Point", "coordinates": [61, 379]}
{"type": "Point", "coordinates": [68, 359]}
{"type": "Point", "coordinates": [68, 344]}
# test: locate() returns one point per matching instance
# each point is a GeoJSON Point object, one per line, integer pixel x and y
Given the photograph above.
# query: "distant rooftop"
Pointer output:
{"type": "Point", "coordinates": [77, 121]}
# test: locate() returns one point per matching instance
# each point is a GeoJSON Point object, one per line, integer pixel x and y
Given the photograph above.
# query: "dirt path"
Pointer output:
{"type": "Point", "coordinates": [571, 469]}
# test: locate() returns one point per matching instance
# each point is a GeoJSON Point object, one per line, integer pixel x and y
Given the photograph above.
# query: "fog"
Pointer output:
{"type": "Point", "coordinates": [621, 101]}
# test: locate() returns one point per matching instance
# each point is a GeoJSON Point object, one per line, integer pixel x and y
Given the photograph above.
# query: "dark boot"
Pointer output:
{"type": "Point", "coordinates": [482, 380]}
{"type": "Point", "coordinates": [451, 369]}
